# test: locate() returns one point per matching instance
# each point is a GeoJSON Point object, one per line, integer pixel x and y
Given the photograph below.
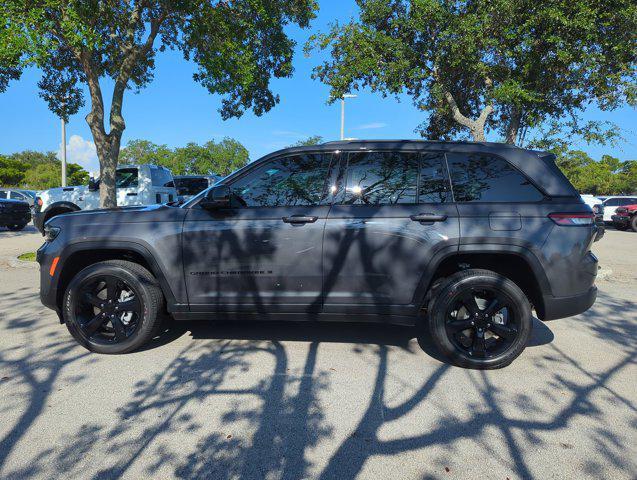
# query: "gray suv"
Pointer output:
{"type": "Point", "coordinates": [462, 240]}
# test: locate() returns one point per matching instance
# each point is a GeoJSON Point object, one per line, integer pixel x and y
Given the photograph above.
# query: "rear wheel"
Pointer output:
{"type": "Point", "coordinates": [633, 223]}
{"type": "Point", "coordinates": [113, 307]}
{"type": "Point", "coordinates": [16, 227]}
{"type": "Point", "coordinates": [479, 319]}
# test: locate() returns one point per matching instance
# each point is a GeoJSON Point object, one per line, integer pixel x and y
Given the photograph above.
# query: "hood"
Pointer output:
{"type": "Point", "coordinates": [120, 215]}
{"type": "Point", "coordinates": [60, 190]}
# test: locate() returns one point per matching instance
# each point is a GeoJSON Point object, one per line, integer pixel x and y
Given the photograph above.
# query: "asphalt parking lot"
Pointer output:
{"type": "Point", "coordinates": [270, 401]}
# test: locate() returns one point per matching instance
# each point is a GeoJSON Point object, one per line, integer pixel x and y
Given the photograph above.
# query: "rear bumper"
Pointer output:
{"type": "Point", "coordinates": [562, 307]}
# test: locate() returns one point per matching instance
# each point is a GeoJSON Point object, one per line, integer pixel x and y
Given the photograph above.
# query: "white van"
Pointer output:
{"type": "Point", "coordinates": [136, 185]}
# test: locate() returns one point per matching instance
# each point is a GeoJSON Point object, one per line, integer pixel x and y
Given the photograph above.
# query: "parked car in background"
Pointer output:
{"type": "Point", "coordinates": [136, 185]}
{"type": "Point", "coordinates": [190, 185]}
{"type": "Point", "coordinates": [461, 239]}
{"type": "Point", "coordinates": [625, 217]}
{"type": "Point", "coordinates": [611, 203]}
{"type": "Point", "coordinates": [18, 194]}
{"type": "Point", "coordinates": [596, 204]}
{"type": "Point", "coordinates": [14, 214]}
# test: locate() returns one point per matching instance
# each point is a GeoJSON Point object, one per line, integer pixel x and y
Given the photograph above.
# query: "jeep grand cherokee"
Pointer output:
{"type": "Point", "coordinates": [463, 240]}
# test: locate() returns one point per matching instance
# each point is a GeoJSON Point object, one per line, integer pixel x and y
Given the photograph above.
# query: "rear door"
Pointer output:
{"type": "Point", "coordinates": [127, 185]}
{"type": "Point", "coordinates": [264, 253]}
{"type": "Point", "coordinates": [392, 212]}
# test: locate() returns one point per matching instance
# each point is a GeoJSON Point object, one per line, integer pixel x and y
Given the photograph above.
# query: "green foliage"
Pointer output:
{"type": "Point", "coordinates": [608, 176]}
{"type": "Point", "coordinates": [220, 158]}
{"type": "Point", "coordinates": [38, 171]}
{"type": "Point", "coordinates": [236, 46]}
{"type": "Point", "coordinates": [309, 141]}
{"type": "Point", "coordinates": [519, 63]}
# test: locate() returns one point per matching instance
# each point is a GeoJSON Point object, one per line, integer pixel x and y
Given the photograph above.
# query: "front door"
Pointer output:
{"type": "Point", "coordinates": [127, 185]}
{"type": "Point", "coordinates": [393, 212]}
{"type": "Point", "coordinates": [264, 253]}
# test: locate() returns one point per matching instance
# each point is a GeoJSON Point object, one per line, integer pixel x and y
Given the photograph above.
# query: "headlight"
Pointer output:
{"type": "Point", "coordinates": [50, 233]}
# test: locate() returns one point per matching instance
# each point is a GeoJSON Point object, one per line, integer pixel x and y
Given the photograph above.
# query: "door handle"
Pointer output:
{"type": "Point", "coordinates": [131, 194]}
{"type": "Point", "coordinates": [428, 217]}
{"type": "Point", "coordinates": [299, 219]}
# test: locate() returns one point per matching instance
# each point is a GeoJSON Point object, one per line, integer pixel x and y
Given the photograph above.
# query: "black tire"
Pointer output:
{"type": "Point", "coordinates": [495, 340]}
{"type": "Point", "coordinates": [113, 335]}
{"type": "Point", "coordinates": [633, 223]}
{"type": "Point", "coordinates": [17, 227]}
{"type": "Point", "coordinates": [621, 227]}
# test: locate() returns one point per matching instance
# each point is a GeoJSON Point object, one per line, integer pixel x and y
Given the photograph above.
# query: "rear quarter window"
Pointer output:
{"type": "Point", "coordinates": [478, 177]}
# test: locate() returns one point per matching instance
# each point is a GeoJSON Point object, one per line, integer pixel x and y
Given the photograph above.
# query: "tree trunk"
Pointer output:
{"type": "Point", "coordinates": [513, 128]}
{"type": "Point", "coordinates": [476, 127]}
{"type": "Point", "coordinates": [108, 154]}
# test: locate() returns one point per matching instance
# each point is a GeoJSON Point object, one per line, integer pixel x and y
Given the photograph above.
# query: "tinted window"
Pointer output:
{"type": "Point", "coordinates": [381, 178]}
{"type": "Point", "coordinates": [627, 201]}
{"type": "Point", "coordinates": [126, 178]}
{"type": "Point", "coordinates": [295, 180]}
{"type": "Point", "coordinates": [3, 194]}
{"type": "Point", "coordinates": [612, 202]}
{"type": "Point", "coordinates": [486, 178]}
{"type": "Point", "coordinates": [434, 184]}
{"type": "Point", "coordinates": [18, 196]}
{"type": "Point", "coordinates": [161, 177]}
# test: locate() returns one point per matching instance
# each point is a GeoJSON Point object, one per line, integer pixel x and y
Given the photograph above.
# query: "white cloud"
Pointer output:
{"type": "Point", "coordinates": [371, 126]}
{"type": "Point", "coordinates": [82, 152]}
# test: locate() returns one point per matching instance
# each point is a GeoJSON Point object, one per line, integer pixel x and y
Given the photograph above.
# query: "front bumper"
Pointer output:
{"type": "Point", "coordinates": [562, 307]}
{"type": "Point", "coordinates": [48, 283]}
{"type": "Point", "coordinates": [15, 218]}
{"type": "Point", "coordinates": [620, 220]}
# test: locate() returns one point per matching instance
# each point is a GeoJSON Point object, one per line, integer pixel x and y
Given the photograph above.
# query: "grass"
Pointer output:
{"type": "Point", "coordinates": [27, 257]}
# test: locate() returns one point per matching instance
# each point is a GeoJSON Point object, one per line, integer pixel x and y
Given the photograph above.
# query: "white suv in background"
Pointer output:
{"type": "Point", "coordinates": [611, 204]}
{"type": "Point", "coordinates": [136, 185]}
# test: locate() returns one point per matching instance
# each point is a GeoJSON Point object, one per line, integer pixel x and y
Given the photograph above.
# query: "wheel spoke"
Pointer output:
{"type": "Point", "coordinates": [503, 331]}
{"type": "Point", "coordinates": [118, 326]}
{"type": "Point", "coordinates": [111, 289]}
{"type": "Point", "coordinates": [468, 299]}
{"type": "Point", "coordinates": [93, 299]}
{"type": "Point", "coordinates": [92, 325]}
{"type": "Point", "coordinates": [494, 307]}
{"type": "Point", "coordinates": [128, 305]}
{"type": "Point", "coordinates": [458, 325]}
{"type": "Point", "coordinates": [478, 346]}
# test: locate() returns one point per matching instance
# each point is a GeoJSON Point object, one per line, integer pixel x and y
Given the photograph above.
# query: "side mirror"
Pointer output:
{"type": "Point", "coordinates": [217, 197]}
{"type": "Point", "coordinates": [93, 185]}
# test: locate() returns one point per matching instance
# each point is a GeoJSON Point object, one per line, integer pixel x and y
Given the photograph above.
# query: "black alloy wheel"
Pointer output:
{"type": "Point", "coordinates": [482, 322]}
{"type": "Point", "coordinates": [114, 306]}
{"type": "Point", "coordinates": [108, 310]}
{"type": "Point", "coordinates": [479, 319]}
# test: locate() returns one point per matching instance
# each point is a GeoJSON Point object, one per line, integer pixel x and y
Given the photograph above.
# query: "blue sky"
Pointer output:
{"type": "Point", "coordinates": [174, 110]}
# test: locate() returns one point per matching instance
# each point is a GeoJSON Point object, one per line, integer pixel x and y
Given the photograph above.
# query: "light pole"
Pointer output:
{"type": "Point", "coordinates": [347, 95]}
{"type": "Point", "coordinates": [63, 152]}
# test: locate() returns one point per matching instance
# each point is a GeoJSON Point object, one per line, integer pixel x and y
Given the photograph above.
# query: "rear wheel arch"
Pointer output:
{"type": "Point", "coordinates": [516, 263]}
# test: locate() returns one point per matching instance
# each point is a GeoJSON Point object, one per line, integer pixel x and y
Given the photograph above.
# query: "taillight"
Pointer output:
{"type": "Point", "coordinates": [572, 219]}
{"type": "Point", "coordinates": [38, 200]}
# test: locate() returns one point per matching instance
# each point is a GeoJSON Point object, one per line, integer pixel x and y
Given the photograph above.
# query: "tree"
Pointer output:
{"type": "Point", "coordinates": [309, 141]}
{"type": "Point", "coordinates": [12, 171]}
{"type": "Point", "coordinates": [47, 175]}
{"type": "Point", "coordinates": [209, 159]}
{"type": "Point", "coordinates": [503, 65]}
{"type": "Point", "coordinates": [238, 46]}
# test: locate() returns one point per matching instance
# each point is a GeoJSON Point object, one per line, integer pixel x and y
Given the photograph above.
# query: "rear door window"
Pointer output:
{"type": "Point", "coordinates": [3, 194]}
{"type": "Point", "coordinates": [478, 177]}
{"type": "Point", "coordinates": [381, 178]}
{"type": "Point", "coordinates": [161, 177]}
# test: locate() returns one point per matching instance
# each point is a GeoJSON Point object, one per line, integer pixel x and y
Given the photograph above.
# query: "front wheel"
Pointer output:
{"type": "Point", "coordinates": [479, 319]}
{"type": "Point", "coordinates": [16, 227]}
{"type": "Point", "coordinates": [633, 223]}
{"type": "Point", "coordinates": [113, 307]}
